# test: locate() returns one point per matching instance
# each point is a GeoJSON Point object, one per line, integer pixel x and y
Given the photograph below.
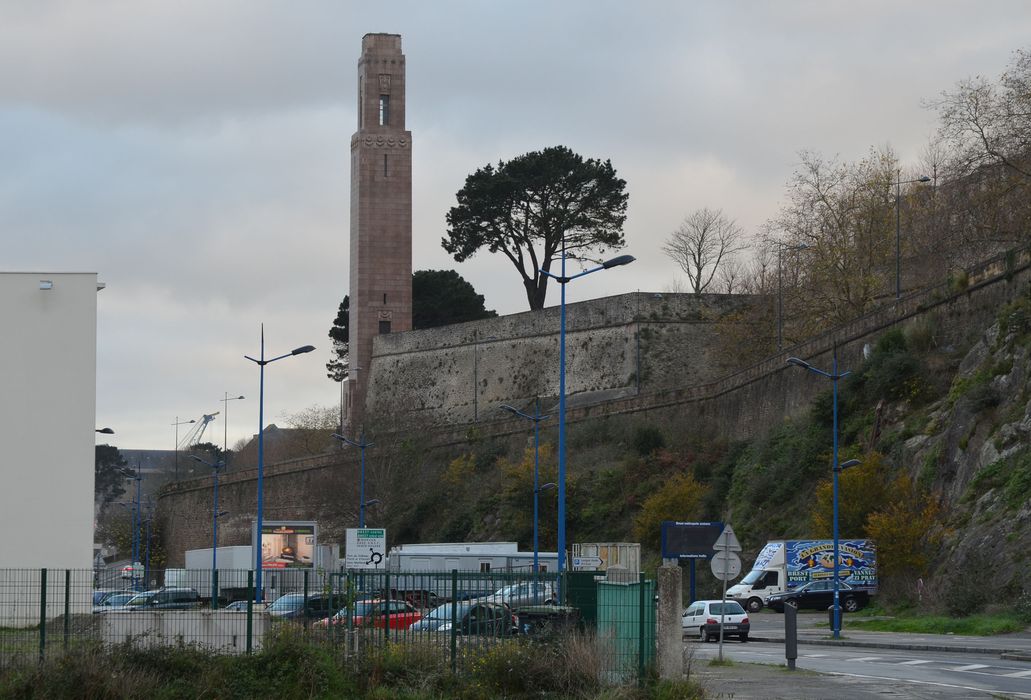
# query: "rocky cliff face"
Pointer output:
{"type": "Point", "coordinates": [975, 451]}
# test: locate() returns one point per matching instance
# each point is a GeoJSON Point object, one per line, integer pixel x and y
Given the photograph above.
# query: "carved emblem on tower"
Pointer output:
{"type": "Point", "coordinates": [384, 83]}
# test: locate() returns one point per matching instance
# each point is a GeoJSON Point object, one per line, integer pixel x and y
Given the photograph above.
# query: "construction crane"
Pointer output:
{"type": "Point", "coordinates": [196, 432]}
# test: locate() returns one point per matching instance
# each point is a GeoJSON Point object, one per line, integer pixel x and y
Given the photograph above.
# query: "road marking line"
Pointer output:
{"type": "Point", "coordinates": [814, 656]}
{"type": "Point", "coordinates": [865, 658]}
{"type": "Point", "coordinates": [932, 683]}
{"type": "Point", "coordinates": [968, 667]}
{"type": "Point", "coordinates": [915, 662]}
{"type": "Point", "coordinates": [1017, 674]}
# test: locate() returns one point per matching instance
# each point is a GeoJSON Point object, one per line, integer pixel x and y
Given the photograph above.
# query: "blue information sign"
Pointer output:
{"type": "Point", "coordinates": [689, 540]}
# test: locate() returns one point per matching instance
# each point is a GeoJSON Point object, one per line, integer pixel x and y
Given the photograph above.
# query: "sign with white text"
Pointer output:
{"type": "Point", "coordinates": [366, 548]}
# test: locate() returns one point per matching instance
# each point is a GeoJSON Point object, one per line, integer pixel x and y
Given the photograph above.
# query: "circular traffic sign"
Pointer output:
{"type": "Point", "coordinates": [725, 565]}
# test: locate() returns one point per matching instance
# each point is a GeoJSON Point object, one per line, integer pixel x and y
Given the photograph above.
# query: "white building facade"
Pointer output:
{"type": "Point", "coordinates": [48, 360]}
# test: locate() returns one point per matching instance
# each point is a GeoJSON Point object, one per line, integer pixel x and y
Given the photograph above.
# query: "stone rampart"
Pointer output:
{"type": "Point", "coordinates": [616, 347]}
{"type": "Point", "coordinates": [741, 405]}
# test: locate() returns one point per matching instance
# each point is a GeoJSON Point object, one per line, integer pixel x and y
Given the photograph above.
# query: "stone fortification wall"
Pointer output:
{"type": "Point", "coordinates": [300, 489]}
{"type": "Point", "coordinates": [616, 347]}
{"type": "Point", "coordinates": [753, 400]}
{"type": "Point", "coordinates": [738, 406]}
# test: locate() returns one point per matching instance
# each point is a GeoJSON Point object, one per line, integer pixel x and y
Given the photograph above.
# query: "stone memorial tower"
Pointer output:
{"type": "Point", "coordinates": [381, 213]}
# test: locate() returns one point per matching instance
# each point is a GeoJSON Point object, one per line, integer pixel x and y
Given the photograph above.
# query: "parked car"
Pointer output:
{"type": "Point", "coordinates": [100, 596]}
{"type": "Point", "coordinates": [704, 616]}
{"type": "Point", "coordinates": [526, 593]}
{"type": "Point", "coordinates": [139, 600]}
{"type": "Point", "coordinates": [374, 613]}
{"type": "Point", "coordinates": [164, 599]}
{"type": "Point", "coordinates": [241, 606]}
{"type": "Point", "coordinates": [113, 601]}
{"type": "Point", "coordinates": [422, 599]}
{"type": "Point", "coordinates": [548, 620]}
{"type": "Point", "coordinates": [293, 606]}
{"type": "Point", "coordinates": [472, 617]}
{"type": "Point", "coordinates": [819, 595]}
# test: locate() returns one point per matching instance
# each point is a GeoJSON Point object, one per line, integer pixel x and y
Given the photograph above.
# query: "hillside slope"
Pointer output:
{"type": "Point", "coordinates": [942, 432]}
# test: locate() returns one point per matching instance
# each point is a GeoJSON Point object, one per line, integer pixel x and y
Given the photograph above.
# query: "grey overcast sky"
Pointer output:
{"type": "Point", "coordinates": [196, 153]}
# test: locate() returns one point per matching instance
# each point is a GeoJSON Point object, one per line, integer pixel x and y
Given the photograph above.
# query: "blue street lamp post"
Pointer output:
{"type": "Point", "coordinates": [536, 418]}
{"type": "Point", "coordinates": [146, 558]}
{"type": "Point", "coordinates": [361, 444]}
{"type": "Point", "coordinates": [215, 515]}
{"type": "Point", "coordinates": [138, 477]}
{"type": "Point", "coordinates": [834, 376]}
{"type": "Point", "coordinates": [261, 362]}
{"type": "Point", "coordinates": [563, 280]}
{"type": "Point", "coordinates": [176, 424]}
{"type": "Point", "coordinates": [225, 425]}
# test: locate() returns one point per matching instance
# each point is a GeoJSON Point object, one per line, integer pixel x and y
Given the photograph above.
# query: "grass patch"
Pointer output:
{"type": "Point", "coordinates": [721, 662]}
{"type": "Point", "coordinates": [975, 625]}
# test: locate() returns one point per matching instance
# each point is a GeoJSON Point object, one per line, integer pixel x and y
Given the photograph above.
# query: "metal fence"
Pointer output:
{"type": "Point", "coordinates": [458, 615]}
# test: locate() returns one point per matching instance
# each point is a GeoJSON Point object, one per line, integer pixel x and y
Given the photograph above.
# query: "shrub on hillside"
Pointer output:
{"type": "Point", "coordinates": [647, 439]}
{"type": "Point", "coordinates": [680, 498]}
{"type": "Point", "coordinates": [907, 530]}
{"type": "Point", "coordinates": [862, 491]}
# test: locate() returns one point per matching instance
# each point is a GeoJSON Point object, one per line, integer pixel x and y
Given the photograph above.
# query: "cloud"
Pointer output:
{"type": "Point", "coordinates": [196, 154]}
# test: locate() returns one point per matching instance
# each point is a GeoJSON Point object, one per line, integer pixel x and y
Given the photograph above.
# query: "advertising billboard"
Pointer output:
{"type": "Point", "coordinates": [288, 544]}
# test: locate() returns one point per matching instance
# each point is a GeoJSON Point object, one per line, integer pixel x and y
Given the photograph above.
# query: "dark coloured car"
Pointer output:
{"type": "Point", "coordinates": [548, 620]}
{"type": "Point", "coordinates": [293, 606]}
{"type": "Point", "coordinates": [469, 617]}
{"type": "Point", "coordinates": [114, 601]}
{"type": "Point", "coordinates": [819, 595]}
{"type": "Point", "coordinates": [100, 596]}
{"type": "Point", "coordinates": [164, 599]}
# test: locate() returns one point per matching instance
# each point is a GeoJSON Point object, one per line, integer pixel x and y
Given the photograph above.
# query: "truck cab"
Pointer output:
{"type": "Point", "coordinates": [756, 587]}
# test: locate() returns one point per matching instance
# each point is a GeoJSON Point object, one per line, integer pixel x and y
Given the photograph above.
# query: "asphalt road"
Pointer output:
{"type": "Point", "coordinates": [856, 673]}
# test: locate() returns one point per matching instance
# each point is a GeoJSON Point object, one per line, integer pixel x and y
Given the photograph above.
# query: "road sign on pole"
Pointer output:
{"type": "Point", "coordinates": [727, 541]}
{"type": "Point", "coordinates": [586, 562]}
{"type": "Point", "coordinates": [725, 565]}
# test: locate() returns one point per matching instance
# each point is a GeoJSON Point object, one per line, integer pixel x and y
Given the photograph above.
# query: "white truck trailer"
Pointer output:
{"type": "Point", "coordinates": [236, 562]}
{"type": "Point", "coordinates": [785, 564]}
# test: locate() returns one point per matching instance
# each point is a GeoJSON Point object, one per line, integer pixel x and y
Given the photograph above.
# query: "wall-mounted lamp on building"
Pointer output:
{"type": "Point", "coordinates": [46, 285]}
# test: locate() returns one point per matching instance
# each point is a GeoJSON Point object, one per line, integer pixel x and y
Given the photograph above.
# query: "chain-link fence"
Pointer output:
{"type": "Point", "coordinates": [457, 616]}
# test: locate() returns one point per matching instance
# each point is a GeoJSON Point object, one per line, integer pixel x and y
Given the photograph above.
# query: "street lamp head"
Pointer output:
{"type": "Point", "coordinates": [545, 487]}
{"type": "Point", "coordinates": [300, 351]}
{"type": "Point", "coordinates": [799, 363]}
{"type": "Point", "coordinates": [923, 178]}
{"type": "Point", "coordinates": [616, 262]}
{"type": "Point", "coordinates": [510, 409]}
{"type": "Point", "coordinates": [217, 465]}
{"type": "Point", "coordinates": [849, 464]}
{"type": "Point", "coordinates": [372, 502]}
{"type": "Point", "coordinates": [105, 431]}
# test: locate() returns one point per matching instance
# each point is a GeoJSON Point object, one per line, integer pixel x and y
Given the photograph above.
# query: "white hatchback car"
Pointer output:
{"type": "Point", "coordinates": [704, 616]}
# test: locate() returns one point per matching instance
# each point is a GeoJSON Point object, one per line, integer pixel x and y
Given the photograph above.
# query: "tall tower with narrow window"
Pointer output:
{"type": "Point", "coordinates": [381, 213]}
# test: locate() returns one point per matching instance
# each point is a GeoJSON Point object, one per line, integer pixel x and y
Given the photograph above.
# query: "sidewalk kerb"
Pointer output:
{"type": "Point", "coordinates": [998, 651]}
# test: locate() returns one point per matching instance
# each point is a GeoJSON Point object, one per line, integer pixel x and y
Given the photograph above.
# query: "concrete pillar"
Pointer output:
{"type": "Point", "coordinates": [670, 652]}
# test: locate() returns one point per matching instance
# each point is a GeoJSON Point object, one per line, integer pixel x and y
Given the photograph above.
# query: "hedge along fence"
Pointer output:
{"type": "Point", "coordinates": [466, 618]}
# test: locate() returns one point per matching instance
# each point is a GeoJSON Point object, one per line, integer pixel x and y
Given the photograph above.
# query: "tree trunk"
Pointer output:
{"type": "Point", "coordinates": [536, 293]}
